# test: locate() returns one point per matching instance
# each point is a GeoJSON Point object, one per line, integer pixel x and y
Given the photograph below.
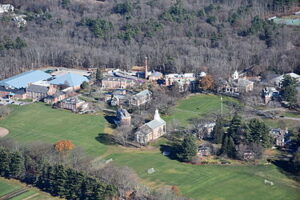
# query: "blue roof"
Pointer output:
{"type": "Point", "coordinates": [22, 80]}
{"type": "Point", "coordinates": [70, 79]}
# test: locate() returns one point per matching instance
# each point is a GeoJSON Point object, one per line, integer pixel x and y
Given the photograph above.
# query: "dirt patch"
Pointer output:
{"type": "Point", "coordinates": [3, 132]}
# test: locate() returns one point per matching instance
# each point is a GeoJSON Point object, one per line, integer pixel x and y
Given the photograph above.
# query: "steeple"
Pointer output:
{"type": "Point", "coordinates": [157, 116]}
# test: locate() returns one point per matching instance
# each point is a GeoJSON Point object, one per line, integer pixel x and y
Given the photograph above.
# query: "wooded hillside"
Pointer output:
{"type": "Point", "coordinates": [217, 36]}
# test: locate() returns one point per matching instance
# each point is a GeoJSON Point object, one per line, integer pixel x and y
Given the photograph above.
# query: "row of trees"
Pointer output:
{"type": "Point", "coordinates": [65, 170]}
{"type": "Point", "coordinates": [55, 179]}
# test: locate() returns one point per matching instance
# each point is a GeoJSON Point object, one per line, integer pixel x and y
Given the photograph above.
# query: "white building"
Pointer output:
{"type": "Point", "coordinates": [5, 8]}
{"type": "Point", "coordinates": [278, 80]}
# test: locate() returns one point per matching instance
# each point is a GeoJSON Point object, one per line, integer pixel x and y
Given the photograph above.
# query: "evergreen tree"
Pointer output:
{"type": "Point", "coordinates": [99, 75]}
{"type": "Point", "coordinates": [235, 129]}
{"type": "Point", "coordinates": [59, 181]}
{"type": "Point", "coordinates": [228, 146]}
{"type": "Point", "coordinates": [218, 131]}
{"type": "Point", "coordinates": [4, 161]}
{"type": "Point", "coordinates": [258, 132]}
{"type": "Point", "coordinates": [84, 85]}
{"type": "Point", "coordinates": [289, 91]}
{"type": "Point", "coordinates": [16, 165]}
{"type": "Point", "coordinates": [188, 149]}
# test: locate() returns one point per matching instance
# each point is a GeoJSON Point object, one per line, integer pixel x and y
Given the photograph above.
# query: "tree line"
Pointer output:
{"type": "Point", "coordinates": [57, 180]}
{"type": "Point", "coordinates": [66, 171]}
{"type": "Point", "coordinates": [177, 36]}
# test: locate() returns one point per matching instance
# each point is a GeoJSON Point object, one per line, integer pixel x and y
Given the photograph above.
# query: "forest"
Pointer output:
{"type": "Point", "coordinates": [217, 36]}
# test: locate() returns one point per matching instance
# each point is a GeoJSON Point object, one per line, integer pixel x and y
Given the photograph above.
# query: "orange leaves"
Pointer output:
{"type": "Point", "coordinates": [207, 82]}
{"type": "Point", "coordinates": [64, 145]}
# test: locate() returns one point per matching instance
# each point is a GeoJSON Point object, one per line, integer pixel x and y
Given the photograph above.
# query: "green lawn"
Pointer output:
{"type": "Point", "coordinates": [292, 114]}
{"type": "Point", "coordinates": [8, 186]}
{"type": "Point", "coordinates": [198, 106]}
{"type": "Point", "coordinates": [38, 122]}
{"type": "Point", "coordinates": [211, 182]}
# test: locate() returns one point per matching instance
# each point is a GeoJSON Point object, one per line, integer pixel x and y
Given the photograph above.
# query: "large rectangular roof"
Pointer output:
{"type": "Point", "coordinates": [24, 79]}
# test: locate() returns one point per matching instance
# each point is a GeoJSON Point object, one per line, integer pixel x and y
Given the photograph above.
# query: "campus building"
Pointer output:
{"type": "Point", "coordinates": [151, 130]}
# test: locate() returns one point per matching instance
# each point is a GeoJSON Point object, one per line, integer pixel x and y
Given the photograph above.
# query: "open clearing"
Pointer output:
{"type": "Point", "coordinates": [207, 182]}
{"type": "Point", "coordinates": [8, 187]}
{"type": "Point", "coordinates": [198, 106]}
{"type": "Point", "coordinates": [39, 122]}
{"type": "Point", "coordinates": [3, 132]}
{"type": "Point", "coordinates": [210, 182]}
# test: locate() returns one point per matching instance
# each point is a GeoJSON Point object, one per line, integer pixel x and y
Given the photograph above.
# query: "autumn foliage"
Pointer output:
{"type": "Point", "coordinates": [64, 145]}
{"type": "Point", "coordinates": [175, 189]}
{"type": "Point", "coordinates": [207, 82]}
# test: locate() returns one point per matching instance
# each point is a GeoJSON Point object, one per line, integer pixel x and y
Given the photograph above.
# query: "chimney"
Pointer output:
{"type": "Point", "coordinates": [146, 67]}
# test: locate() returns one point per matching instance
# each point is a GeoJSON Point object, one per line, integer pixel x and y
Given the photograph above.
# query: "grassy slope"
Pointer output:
{"type": "Point", "coordinates": [37, 122]}
{"type": "Point", "coordinates": [198, 106]}
{"type": "Point", "coordinates": [211, 182]}
{"type": "Point", "coordinates": [7, 186]}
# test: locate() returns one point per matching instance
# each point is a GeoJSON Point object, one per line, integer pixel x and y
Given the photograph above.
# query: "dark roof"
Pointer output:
{"type": "Point", "coordinates": [37, 89]}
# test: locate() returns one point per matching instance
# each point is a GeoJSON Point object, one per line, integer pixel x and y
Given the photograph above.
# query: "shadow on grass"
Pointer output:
{"type": "Point", "coordinates": [170, 150]}
{"type": "Point", "coordinates": [286, 168]}
{"type": "Point", "coordinates": [106, 139]}
{"type": "Point", "coordinates": [110, 119]}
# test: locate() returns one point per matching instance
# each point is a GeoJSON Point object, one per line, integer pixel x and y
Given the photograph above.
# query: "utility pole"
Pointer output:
{"type": "Point", "coordinates": [221, 105]}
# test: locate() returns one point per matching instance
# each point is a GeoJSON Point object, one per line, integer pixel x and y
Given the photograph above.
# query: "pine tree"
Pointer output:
{"type": "Point", "coordinates": [4, 161]}
{"type": "Point", "coordinates": [228, 146]}
{"type": "Point", "coordinates": [234, 130]}
{"type": "Point", "coordinates": [188, 149]}
{"type": "Point", "coordinates": [59, 181]}
{"type": "Point", "coordinates": [99, 75]}
{"type": "Point", "coordinates": [289, 91]}
{"type": "Point", "coordinates": [218, 131]}
{"type": "Point", "coordinates": [16, 165]}
{"type": "Point", "coordinates": [258, 132]}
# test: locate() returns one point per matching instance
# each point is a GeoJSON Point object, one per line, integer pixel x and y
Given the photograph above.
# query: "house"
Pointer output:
{"type": "Point", "coordinates": [141, 98]}
{"type": "Point", "coordinates": [270, 93]}
{"type": "Point", "coordinates": [24, 79]}
{"type": "Point", "coordinates": [19, 20]}
{"type": "Point", "coordinates": [279, 136]}
{"type": "Point", "coordinates": [277, 81]}
{"type": "Point", "coordinates": [5, 8]}
{"type": "Point", "coordinates": [235, 87]}
{"type": "Point", "coordinates": [187, 80]}
{"type": "Point", "coordinates": [151, 130]}
{"type": "Point", "coordinates": [118, 82]}
{"type": "Point", "coordinates": [155, 76]}
{"type": "Point", "coordinates": [58, 96]}
{"type": "Point", "coordinates": [123, 118]}
{"type": "Point", "coordinates": [73, 103]}
{"type": "Point", "coordinates": [204, 150]}
{"type": "Point", "coordinates": [207, 129]}
{"type": "Point", "coordinates": [248, 155]}
{"type": "Point", "coordinates": [244, 85]}
{"type": "Point", "coordinates": [39, 90]}
{"type": "Point", "coordinates": [69, 80]}
{"type": "Point", "coordinates": [117, 97]}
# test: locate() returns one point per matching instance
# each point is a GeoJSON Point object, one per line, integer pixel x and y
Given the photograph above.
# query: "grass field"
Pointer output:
{"type": "Point", "coordinates": [8, 186]}
{"type": "Point", "coordinates": [38, 122]}
{"type": "Point", "coordinates": [211, 182]}
{"type": "Point", "coordinates": [198, 106]}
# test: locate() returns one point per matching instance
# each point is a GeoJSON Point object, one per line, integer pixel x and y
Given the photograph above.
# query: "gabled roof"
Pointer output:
{"type": "Point", "coordinates": [70, 79]}
{"type": "Point", "coordinates": [22, 80]}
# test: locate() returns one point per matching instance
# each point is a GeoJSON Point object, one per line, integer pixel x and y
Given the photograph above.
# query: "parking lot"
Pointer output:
{"type": "Point", "coordinates": [5, 101]}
